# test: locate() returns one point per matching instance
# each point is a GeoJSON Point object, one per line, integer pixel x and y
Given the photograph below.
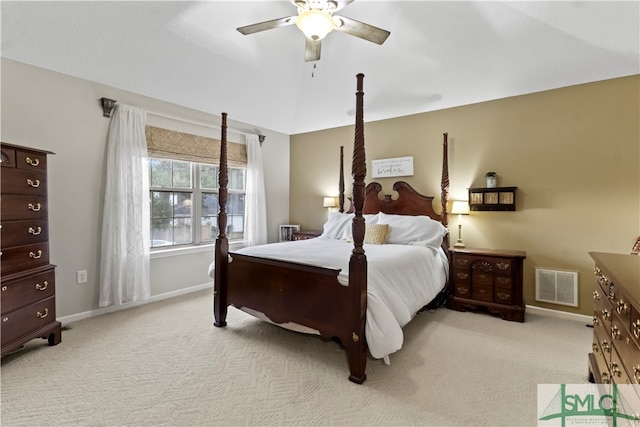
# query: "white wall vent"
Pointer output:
{"type": "Point", "coordinates": [557, 286]}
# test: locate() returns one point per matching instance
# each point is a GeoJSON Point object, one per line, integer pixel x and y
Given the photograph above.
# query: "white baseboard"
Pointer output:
{"type": "Point", "coordinates": [561, 314]}
{"type": "Point", "coordinates": [112, 308]}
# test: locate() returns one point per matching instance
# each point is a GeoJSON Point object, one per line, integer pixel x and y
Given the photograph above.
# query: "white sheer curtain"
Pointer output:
{"type": "Point", "coordinates": [124, 263]}
{"type": "Point", "coordinates": [255, 222]}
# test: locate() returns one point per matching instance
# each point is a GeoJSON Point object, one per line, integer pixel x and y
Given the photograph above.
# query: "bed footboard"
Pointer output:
{"type": "Point", "coordinates": [289, 292]}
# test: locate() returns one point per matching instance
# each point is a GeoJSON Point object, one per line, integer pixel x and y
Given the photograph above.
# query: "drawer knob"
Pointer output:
{"type": "Point", "coordinates": [33, 183]}
{"type": "Point", "coordinates": [615, 332]}
{"type": "Point", "coordinates": [4, 289]}
{"type": "Point", "coordinates": [42, 287]}
{"type": "Point", "coordinates": [503, 280]}
{"type": "Point", "coordinates": [5, 319]}
{"type": "Point", "coordinates": [615, 369]}
{"type": "Point", "coordinates": [502, 265]}
{"type": "Point", "coordinates": [32, 162]}
{"type": "Point", "coordinates": [35, 231]}
{"type": "Point", "coordinates": [462, 290]}
{"type": "Point", "coordinates": [596, 295]}
{"type": "Point", "coordinates": [462, 275]}
{"type": "Point", "coordinates": [606, 315]}
{"type": "Point", "coordinates": [636, 374]}
{"type": "Point", "coordinates": [43, 314]}
{"type": "Point", "coordinates": [635, 328]}
{"type": "Point", "coordinates": [34, 208]}
{"type": "Point", "coordinates": [596, 321]}
{"type": "Point", "coordinates": [622, 307]}
{"type": "Point", "coordinates": [595, 347]}
{"type": "Point", "coordinates": [605, 346]}
{"type": "Point", "coordinates": [37, 255]}
{"type": "Point", "coordinates": [462, 261]}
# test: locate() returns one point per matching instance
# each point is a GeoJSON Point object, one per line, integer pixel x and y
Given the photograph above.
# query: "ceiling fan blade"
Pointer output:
{"type": "Point", "coordinates": [362, 30]}
{"type": "Point", "coordinates": [340, 4]}
{"type": "Point", "coordinates": [267, 25]}
{"type": "Point", "coordinates": [312, 50]}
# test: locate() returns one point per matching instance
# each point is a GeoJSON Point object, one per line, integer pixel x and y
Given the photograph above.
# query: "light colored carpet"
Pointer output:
{"type": "Point", "coordinates": [164, 364]}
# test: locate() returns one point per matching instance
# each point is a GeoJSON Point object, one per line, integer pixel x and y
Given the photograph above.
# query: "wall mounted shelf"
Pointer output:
{"type": "Point", "coordinates": [492, 199]}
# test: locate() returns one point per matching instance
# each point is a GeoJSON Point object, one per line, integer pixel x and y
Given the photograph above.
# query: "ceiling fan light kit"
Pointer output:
{"type": "Point", "coordinates": [315, 19]}
{"type": "Point", "coordinates": [315, 23]}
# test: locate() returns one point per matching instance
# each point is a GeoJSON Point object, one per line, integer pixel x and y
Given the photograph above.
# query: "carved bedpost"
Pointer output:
{"type": "Point", "coordinates": [357, 346]}
{"type": "Point", "coordinates": [222, 244]}
{"type": "Point", "coordinates": [341, 181]}
{"type": "Point", "coordinates": [444, 183]}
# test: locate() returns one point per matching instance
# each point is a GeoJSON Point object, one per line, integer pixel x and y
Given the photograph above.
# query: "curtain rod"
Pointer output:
{"type": "Point", "coordinates": [109, 104]}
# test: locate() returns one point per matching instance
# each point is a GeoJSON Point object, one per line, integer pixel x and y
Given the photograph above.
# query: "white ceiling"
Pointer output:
{"type": "Point", "coordinates": [439, 54]}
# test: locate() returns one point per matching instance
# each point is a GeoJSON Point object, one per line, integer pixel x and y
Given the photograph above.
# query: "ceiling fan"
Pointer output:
{"type": "Point", "coordinates": [316, 19]}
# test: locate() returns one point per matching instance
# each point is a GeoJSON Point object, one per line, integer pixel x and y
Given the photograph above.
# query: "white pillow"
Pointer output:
{"type": "Point", "coordinates": [371, 219]}
{"type": "Point", "coordinates": [338, 226]}
{"type": "Point", "coordinates": [413, 230]}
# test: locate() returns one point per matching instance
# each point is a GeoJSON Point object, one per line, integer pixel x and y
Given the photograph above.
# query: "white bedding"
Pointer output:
{"type": "Point", "coordinates": [401, 280]}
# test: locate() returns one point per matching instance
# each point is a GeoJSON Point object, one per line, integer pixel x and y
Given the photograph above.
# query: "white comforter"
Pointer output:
{"type": "Point", "coordinates": [401, 280]}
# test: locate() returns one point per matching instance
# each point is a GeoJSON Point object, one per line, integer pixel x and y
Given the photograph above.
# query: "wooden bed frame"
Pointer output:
{"type": "Point", "coordinates": [308, 295]}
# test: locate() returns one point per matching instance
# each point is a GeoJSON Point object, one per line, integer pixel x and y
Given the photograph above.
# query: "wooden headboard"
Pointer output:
{"type": "Point", "coordinates": [409, 201]}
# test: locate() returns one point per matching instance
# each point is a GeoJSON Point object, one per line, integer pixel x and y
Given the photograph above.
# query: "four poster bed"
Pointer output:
{"type": "Point", "coordinates": [328, 285]}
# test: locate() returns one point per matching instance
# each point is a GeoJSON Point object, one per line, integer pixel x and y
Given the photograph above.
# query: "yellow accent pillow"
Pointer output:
{"type": "Point", "coordinates": [376, 234]}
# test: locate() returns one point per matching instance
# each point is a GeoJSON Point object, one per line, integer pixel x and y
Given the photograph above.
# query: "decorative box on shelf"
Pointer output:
{"type": "Point", "coordinates": [492, 199]}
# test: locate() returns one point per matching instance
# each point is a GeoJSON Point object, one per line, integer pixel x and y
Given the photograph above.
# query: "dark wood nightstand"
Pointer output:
{"type": "Point", "coordinates": [487, 278]}
{"type": "Point", "coordinates": [304, 235]}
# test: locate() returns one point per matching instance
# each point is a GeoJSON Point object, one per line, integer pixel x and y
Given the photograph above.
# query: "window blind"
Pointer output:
{"type": "Point", "coordinates": [170, 144]}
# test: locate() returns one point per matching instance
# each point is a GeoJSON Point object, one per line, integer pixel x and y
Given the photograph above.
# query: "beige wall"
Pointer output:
{"type": "Point", "coordinates": [60, 113]}
{"type": "Point", "coordinates": [573, 153]}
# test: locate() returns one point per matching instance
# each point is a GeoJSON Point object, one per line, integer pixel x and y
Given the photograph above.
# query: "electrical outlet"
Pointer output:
{"type": "Point", "coordinates": [81, 276]}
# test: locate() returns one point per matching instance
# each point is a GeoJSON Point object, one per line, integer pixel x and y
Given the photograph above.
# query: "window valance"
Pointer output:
{"type": "Point", "coordinates": [170, 144]}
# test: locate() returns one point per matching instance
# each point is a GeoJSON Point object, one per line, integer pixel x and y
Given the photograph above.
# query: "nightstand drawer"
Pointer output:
{"type": "Point", "coordinates": [503, 295]}
{"type": "Point", "coordinates": [462, 290]}
{"type": "Point", "coordinates": [482, 292]}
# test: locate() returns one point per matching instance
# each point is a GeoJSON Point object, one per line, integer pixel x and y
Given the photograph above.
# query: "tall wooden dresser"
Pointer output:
{"type": "Point", "coordinates": [616, 319]}
{"type": "Point", "coordinates": [27, 279]}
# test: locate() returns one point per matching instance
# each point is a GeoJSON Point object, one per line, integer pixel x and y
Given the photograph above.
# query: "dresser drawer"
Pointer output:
{"type": "Point", "coordinates": [16, 207]}
{"type": "Point", "coordinates": [462, 290]}
{"type": "Point", "coordinates": [24, 257]}
{"type": "Point", "coordinates": [481, 278]}
{"type": "Point", "coordinates": [24, 291]}
{"type": "Point", "coordinates": [603, 364]}
{"type": "Point", "coordinates": [16, 233]}
{"type": "Point", "coordinates": [503, 294]}
{"type": "Point", "coordinates": [482, 292]}
{"type": "Point", "coordinates": [27, 319]}
{"type": "Point", "coordinates": [461, 276]}
{"type": "Point", "coordinates": [31, 160]}
{"type": "Point", "coordinates": [20, 181]}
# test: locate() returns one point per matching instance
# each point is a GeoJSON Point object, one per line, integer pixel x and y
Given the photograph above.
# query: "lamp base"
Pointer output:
{"type": "Point", "coordinates": [459, 244]}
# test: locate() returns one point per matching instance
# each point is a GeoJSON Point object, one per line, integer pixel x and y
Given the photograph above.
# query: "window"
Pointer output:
{"type": "Point", "coordinates": [184, 203]}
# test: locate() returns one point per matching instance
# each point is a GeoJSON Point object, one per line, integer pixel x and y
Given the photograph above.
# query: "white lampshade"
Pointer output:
{"type": "Point", "coordinates": [315, 23]}
{"type": "Point", "coordinates": [460, 207]}
{"type": "Point", "coordinates": [329, 202]}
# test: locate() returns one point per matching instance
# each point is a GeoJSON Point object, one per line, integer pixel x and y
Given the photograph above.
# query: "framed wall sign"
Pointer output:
{"type": "Point", "coordinates": [398, 166]}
